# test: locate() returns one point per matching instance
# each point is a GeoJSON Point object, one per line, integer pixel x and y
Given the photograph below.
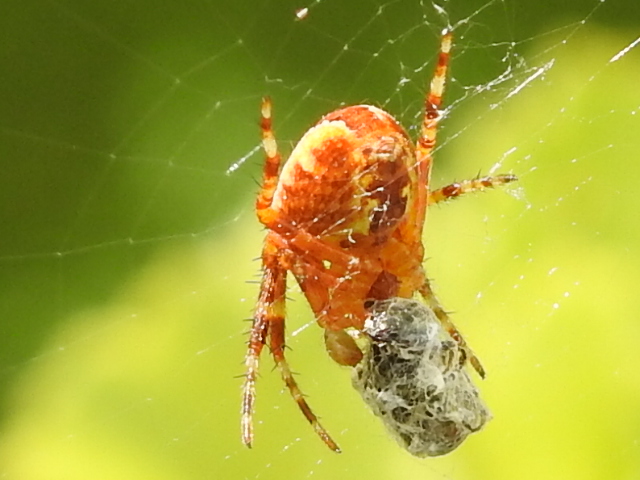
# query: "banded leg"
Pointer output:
{"type": "Point", "coordinates": [272, 161]}
{"type": "Point", "coordinates": [467, 186]}
{"type": "Point", "coordinates": [276, 342]}
{"type": "Point", "coordinates": [427, 141]}
{"type": "Point", "coordinates": [443, 317]}
{"type": "Point", "coordinates": [270, 308]}
{"type": "Point", "coordinates": [268, 325]}
{"type": "Point", "coordinates": [257, 340]}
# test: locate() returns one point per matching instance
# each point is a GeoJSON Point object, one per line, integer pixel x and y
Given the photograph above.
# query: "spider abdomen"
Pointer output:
{"type": "Point", "coordinates": [348, 178]}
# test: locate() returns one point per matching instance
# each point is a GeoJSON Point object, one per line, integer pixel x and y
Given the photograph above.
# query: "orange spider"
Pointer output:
{"type": "Point", "coordinates": [345, 216]}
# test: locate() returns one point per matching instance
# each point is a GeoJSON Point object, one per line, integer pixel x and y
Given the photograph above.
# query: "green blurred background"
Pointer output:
{"type": "Point", "coordinates": [128, 142]}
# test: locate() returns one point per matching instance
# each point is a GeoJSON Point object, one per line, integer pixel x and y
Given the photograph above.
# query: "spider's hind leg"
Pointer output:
{"type": "Point", "coordinates": [270, 308]}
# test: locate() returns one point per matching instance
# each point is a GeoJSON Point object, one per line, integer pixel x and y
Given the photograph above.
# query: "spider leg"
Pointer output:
{"type": "Point", "coordinates": [427, 141]}
{"type": "Point", "coordinates": [339, 345]}
{"type": "Point", "coordinates": [467, 186]}
{"type": "Point", "coordinates": [270, 308]}
{"type": "Point", "coordinates": [427, 293]}
{"type": "Point", "coordinates": [335, 282]}
{"type": "Point", "coordinates": [316, 281]}
{"type": "Point", "coordinates": [276, 342]}
{"type": "Point", "coordinates": [272, 161]}
{"type": "Point", "coordinates": [268, 324]}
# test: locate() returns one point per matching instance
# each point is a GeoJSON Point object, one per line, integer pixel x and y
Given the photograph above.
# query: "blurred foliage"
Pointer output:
{"type": "Point", "coordinates": [128, 242]}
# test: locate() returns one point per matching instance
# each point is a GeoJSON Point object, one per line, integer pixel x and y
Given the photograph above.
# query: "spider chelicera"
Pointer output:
{"type": "Point", "coordinates": [345, 215]}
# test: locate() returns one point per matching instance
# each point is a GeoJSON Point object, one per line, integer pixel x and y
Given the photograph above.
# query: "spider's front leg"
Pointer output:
{"type": "Point", "coordinates": [270, 309]}
{"type": "Point", "coordinates": [268, 325]}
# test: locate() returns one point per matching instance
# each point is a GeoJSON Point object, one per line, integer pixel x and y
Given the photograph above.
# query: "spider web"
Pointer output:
{"type": "Point", "coordinates": [130, 151]}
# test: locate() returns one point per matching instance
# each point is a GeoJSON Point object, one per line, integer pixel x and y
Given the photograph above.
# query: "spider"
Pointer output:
{"type": "Point", "coordinates": [345, 215]}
